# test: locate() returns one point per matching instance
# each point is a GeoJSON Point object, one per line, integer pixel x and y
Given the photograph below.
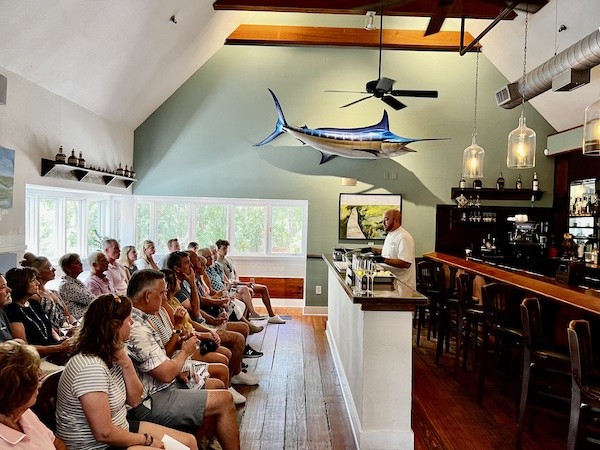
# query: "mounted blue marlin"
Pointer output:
{"type": "Point", "coordinates": [374, 142]}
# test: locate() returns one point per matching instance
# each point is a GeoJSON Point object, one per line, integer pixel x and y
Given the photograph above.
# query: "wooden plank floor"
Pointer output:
{"type": "Point", "coordinates": [299, 405]}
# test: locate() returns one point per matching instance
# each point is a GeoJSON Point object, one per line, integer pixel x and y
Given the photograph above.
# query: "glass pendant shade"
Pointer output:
{"type": "Point", "coordinates": [521, 147]}
{"type": "Point", "coordinates": [591, 130]}
{"type": "Point", "coordinates": [472, 166]}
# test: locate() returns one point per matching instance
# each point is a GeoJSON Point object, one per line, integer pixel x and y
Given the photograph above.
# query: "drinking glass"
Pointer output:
{"type": "Point", "coordinates": [359, 271]}
{"type": "Point", "coordinates": [370, 273]}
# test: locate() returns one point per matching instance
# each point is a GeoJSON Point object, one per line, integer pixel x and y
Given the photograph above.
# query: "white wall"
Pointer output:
{"type": "Point", "coordinates": [35, 122]}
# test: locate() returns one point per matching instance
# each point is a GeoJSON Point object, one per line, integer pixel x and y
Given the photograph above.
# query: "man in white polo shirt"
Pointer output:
{"type": "Point", "coordinates": [398, 248]}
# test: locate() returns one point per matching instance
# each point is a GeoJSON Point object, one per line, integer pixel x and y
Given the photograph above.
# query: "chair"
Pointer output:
{"type": "Point", "coordinates": [545, 371]}
{"type": "Point", "coordinates": [45, 405]}
{"type": "Point", "coordinates": [585, 384]}
{"type": "Point", "coordinates": [427, 274]}
{"type": "Point", "coordinates": [500, 319]}
{"type": "Point", "coordinates": [469, 315]}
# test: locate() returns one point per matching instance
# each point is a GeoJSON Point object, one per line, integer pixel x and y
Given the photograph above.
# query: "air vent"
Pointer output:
{"type": "Point", "coordinates": [508, 94]}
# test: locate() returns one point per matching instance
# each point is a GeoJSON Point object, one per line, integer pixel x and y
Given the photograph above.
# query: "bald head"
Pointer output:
{"type": "Point", "coordinates": [392, 219]}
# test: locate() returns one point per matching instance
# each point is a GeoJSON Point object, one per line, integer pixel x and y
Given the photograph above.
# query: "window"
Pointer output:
{"type": "Point", "coordinates": [67, 221]}
{"type": "Point", "coordinates": [253, 227]}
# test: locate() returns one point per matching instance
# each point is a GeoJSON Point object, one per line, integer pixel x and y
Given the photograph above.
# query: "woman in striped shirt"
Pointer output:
{"type": "Point", "coordinates": [100, 380]}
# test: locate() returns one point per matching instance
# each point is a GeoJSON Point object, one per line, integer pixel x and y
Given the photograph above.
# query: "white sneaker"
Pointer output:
{"type": "Point", "coordinates": [276, 320]}
{"type": "Point", "coordinates": [244, 378]}
{"type": "Point", "coordinates": [238, 398]}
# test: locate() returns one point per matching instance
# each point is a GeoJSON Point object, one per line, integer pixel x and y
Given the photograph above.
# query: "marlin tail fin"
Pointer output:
{"type": "Point", "coordinates": [278, 126]}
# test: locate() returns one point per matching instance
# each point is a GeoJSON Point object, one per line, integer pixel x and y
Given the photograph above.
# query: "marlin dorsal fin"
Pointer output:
{"type": "Point", "coordinates": [384, 123]}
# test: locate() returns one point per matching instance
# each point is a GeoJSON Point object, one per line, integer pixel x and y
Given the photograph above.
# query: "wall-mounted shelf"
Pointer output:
{"type": "Point", "coordinates": [61, 170]}
{"type": "Point", "coordinates": [495, 194]}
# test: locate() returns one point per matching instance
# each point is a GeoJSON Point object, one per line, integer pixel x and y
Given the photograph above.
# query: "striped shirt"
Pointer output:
{"type": "Point", "coordinates": [84, 374]}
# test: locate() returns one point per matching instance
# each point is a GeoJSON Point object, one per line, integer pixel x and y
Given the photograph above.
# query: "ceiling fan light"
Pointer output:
{"type": "Point", "coordinates": [521, 147]}
{"type": "Point", "coordinates": [591, 130]}
{"type": "Point", "coordinates": [473, 156]}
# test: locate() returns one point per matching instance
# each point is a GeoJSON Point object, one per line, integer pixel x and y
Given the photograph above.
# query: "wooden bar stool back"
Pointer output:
{"type": "Point", "coordinates": [500, 320]}
{"type": "Point", "coordinates": [470, 315]}
{"type": "Point", "coordinates": [585, 385]}
{"type": "Point", "coordinates": [427, 276]}
{"type": "Point", "coordinates": [545, 372]}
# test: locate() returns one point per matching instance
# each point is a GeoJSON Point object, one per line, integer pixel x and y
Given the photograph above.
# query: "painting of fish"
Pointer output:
{"type": "Point", "coordinates": [373, 142]}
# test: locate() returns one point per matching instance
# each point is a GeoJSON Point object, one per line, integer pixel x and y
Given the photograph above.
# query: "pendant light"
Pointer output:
{"type": "Point", "coordinates": [591, 130]}
{"type": "Point", "coordinates": [521, 140]}
{"type": "Point", "coordinates": [472, 166]}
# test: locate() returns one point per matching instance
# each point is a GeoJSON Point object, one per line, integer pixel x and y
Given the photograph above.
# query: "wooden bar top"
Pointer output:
{"type": "Point", "coordinates": [392, 296]}
{"type": "Point", "coordinates": [578, 297]}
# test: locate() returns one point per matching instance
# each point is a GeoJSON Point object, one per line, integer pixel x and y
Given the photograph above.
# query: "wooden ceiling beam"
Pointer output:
{"type": "Point", "coordinates": [277, 35]}
{"type": "Point", "coordinates": [470, 9]}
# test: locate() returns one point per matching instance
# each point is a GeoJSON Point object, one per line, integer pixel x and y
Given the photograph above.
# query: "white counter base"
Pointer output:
{"type": "Point", "coordinates": [372, 352]}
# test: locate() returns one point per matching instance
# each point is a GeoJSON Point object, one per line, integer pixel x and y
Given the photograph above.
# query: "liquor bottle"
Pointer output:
{"type": "Point", "coordinates": [500, 182]}
{"type": "Point", "coordinates": [80, 161]}
{"type": "Point", "coordinates": [126, 173]}
{"type": "Point", "coordinates": [72, 160]}
{"type": "Point", "coordinates": [519, 184]}
{"type": "Point", "coordinates": [535, 184]}
{"type": "Point", "coordinates": [477, 184]}
{"type": "Point", "coordinates": [132, 172]}
{"type": "Point", "coordinates": [119, 170]}
{"type": "Point", "coordinates": [462, 183]}
{"type": "Point", "coordinates": [60, 156]}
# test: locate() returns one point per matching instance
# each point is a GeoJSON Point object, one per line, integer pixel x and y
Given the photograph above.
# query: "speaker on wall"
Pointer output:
{"type": "Point", "coordinates": [3, 83]}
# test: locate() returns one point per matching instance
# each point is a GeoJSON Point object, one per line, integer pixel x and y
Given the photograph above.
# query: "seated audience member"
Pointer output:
{"type": "Point", "coordinates": [194, 246]}
{"type": "Point", "coordinates": [20, 428]}
{"type": "Point", "coordinates": [218, 282]}
{"type": "Point", "coordinates": [128, 258]}
{"type": "Point", "coordinates": [28, 320]}
{"type": "Point", "coordinates": [52, 304]}
{"type": "Point", "coordinates": [98, 283]}
{"type": "Point", "coordinates": [233, 338]}
{"type": "Point", "coordinates": [168, 404]}
{"type": "Point", "coordinates": [146, 261]}
{"type": "Point", "coordinates": [71, 290]}
{"type": "Point", "coordinates": [5, 299]}
{"type": "Point", "coordinates": [100, 380]}
{"type": "Point", "coordinates": [255, 288]}
{"type": "Point", "coordinates": [116, 272]}
{"type": "Point", "coordinates": [172, 246]}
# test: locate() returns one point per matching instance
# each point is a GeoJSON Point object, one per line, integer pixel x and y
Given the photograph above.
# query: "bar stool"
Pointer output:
{"type": "Point", "coordinates": [500, 320]}
{"type": "Point", "coordinates": [427, 276]}
{"type": "Point", "coordinates": [546, 370]}
{"type": "Point", "coordinates": [470, 314]}
{"type": "Point", "coordinates": [585, 384]}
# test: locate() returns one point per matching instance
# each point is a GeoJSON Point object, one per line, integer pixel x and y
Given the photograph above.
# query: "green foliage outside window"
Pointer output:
{"type": "Point", "coordinates": [172, 222]}
{"type": "Point", "coordinates": [249, 229]}
{"type": "Point", "coordinates": [210, 224]}
{"type": "Point", "coordinates": [286, 229]}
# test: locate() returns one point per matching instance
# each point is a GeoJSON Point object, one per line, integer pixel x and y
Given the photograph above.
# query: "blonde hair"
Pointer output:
{"type": "Point", "coordinates": [124, 259]}
{"type": "Point", "coordinates": [146, 245]}
{"type": "Point", "coordinates": [19, 372]}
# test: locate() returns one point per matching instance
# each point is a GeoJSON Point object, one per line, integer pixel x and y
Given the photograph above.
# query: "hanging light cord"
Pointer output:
{"type": "Point", "coordinates": [524, 61]}
{"type": "Point", "coordinates": [476, 91]}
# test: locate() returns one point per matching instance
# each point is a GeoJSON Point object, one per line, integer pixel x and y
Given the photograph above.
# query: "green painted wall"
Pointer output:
{"type": "Point", "coordinates": [199, 142]}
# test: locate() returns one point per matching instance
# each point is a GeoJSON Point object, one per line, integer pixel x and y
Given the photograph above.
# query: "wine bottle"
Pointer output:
{"type": "Point", "coordinates": [535, 184]}
{"type": "Point", "coordinates": [477, 184]}
{"type": "Point", "coordinates": [80, 161]}
{"type": "Point", "coordinates": [519, 184]}
{"type": "Point", "coordinates": [119, 170]}
{"type": "Point", "coordinates": [462, 183]}
{"type": "Point", "coordinates": [60, 156]}
{"type": "Point", "coordinates": [500, 182]}
{"type": "Point", "coordinates": [72, 161]}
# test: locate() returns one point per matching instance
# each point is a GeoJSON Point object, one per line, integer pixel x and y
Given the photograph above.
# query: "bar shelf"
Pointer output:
{"type": "Point", "coordinates": [496, 194]}
{"type": "Point", "coordinates": [56, 169]}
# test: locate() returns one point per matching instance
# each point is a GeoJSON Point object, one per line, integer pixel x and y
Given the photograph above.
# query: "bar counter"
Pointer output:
{"type": "Point", "coordinates": [569, 295]}
{"type": "Point", "coordinates": [371, 342]}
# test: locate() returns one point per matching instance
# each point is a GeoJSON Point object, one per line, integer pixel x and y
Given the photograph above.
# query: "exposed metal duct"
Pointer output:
{"type": "Point", "coordinates": [581, 56]}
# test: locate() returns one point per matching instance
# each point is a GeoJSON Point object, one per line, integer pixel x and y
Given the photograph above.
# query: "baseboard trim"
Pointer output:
{"type": "Point", "coordinates": [315, 310]}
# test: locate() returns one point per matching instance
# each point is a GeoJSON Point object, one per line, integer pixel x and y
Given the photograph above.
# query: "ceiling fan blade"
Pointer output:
{"type": "Point", "coordinates": [384, 84]}
{"type": "Point", "coordinates": [356, 101]}
{"type": "Point", "coordinates": [347, 92]}
{"type": "Point", "coordinates": [435, 24]}
{"type": "Point", "coordinates": [414, 93]}
{"type": "Point", "coordinates": [393, 102]}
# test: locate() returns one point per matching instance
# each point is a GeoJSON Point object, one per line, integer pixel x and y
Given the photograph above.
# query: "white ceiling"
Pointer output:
{"type": "Point", "coordinates": [123, 58]}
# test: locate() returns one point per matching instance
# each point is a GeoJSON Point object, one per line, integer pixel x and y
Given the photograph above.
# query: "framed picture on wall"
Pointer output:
{"type": "Point", "coordinates": [361, 215]}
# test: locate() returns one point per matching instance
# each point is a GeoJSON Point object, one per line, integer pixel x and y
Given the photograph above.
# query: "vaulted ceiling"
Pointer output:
{"type": "Point", "coordinates": [122, 59]}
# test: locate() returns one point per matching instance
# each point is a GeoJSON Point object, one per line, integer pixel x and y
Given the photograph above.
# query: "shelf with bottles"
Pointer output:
{"type": "Point", "coordinates": [497, 194]}
{"type": "Point", "coordinates": [82, 173]}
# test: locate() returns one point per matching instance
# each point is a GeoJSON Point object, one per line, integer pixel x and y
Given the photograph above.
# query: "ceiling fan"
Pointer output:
{"type": "Point", "coordinates": [382, 87]}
